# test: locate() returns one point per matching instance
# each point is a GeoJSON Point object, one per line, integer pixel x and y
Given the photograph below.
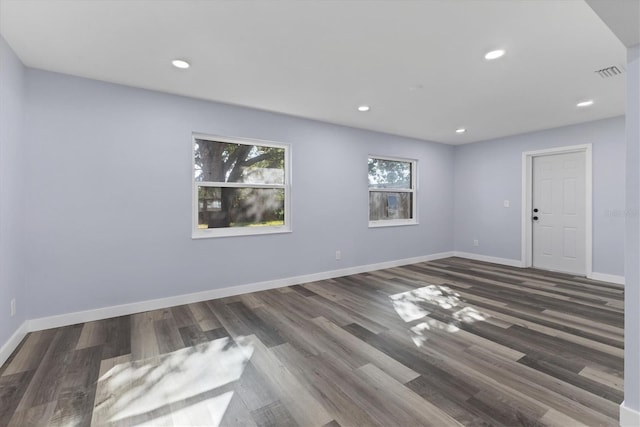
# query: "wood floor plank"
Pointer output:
{"type": "Point", "coordinates": [267, 334]}
{"type": "Point", "coordinates": [500, 376]}
{"type": "Point", "coordinates": [481, 374]}
{"type": "Point", "coordinates": [251, 300]}
{"type": "Point", "coordinates": [351, 402]}
{"type": "Point", "coordinates": [446, 342]}
{"type": "Point", "coordinates": [118, 337]}
{"type": "Point", "coordinates": [586, 321]}
{"type": "Point", "coordinates": [387, 364]}
{"type": "Point", "coordinates": [12, 388]}
{"type": "Point", "coordinates": [93, 334]}
{"type": "Point", "coordinates": [183, 316]}
{"type": "Point", "coordinates": [192, 335]}
{"type": "Point", "coordinates": [104, 396]}
{"type": "Point", "coordinates": [78, 388]}
{"type": "Point", "coordinates": [301, 404]}
{"type": "Point", "coordinates": [204, 316]}
{"type": "Point", "coordinates": [507, 321]}
{"type": "Point", "coordinates": [503, 410]}
{"type": "Point", "coordinates": [575, 402]}
{"type": "Point", "coordinates": [571, 377]}
{"type": "Point", "coordinates": [74, 407]}
{"type": "Point", "coordinates": [237, 414]}
{"type": "Point", "coordinates": [341, 315]}
{"type": "Point", "coordinates": [273, 415]}
{"type": "Point", "coordinates": [144, 342]}
{"type": "Point", "coordinates": [544, 320]}
{"type": "Point", "coordinates": [228, 319]}
{"type": "Point", "coordinates": [289, 329]}
{"type": "Point", "coordinates": [34, 347]}
{"type": "Point", "coordinates": [167, 335]}
{"type": "Point", "coordinates": [450, 394]}
{"type": "Point", "coordinates": [419, 411]}
{"type": "Point", "coordinates": [46, 382]}
{"type": "Point", "coordinates": [555, 418]}
{"type": "Point", "coordinates": [34, 416]}
{"type": "Point", "coordinates": [254, 391]}
{"type": "Point", "coordinates": [605, 378]}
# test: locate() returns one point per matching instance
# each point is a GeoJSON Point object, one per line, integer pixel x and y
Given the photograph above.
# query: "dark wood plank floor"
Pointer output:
{"type": "Point", "coordinates": [449, 342]}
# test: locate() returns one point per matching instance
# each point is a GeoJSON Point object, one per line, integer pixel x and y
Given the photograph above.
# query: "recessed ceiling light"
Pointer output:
{"type": "Point", "coordinates": [364, 108]}
{"type": "Point", "coordinates": [494, 54]}
{"type": "Point", "coordinates": [461, 130]}
{"type": "Point", "coordinates": [586, 103]}
{"type": "Point", "coordinates": [180, 63]}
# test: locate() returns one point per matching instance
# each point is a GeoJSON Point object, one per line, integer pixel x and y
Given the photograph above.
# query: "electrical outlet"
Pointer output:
{"type": "Point", "coordinates": [338, 255]}
{"type": "Point", "coordinates": [507, 203]}
{"type": "Point", "coordinates": [13, 307]}
{"type": "Point", "coordinates": [476, 242]}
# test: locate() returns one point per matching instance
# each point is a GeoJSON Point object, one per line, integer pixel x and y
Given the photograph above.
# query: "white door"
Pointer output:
{"type": "Point", "coordinates": [559, 213]}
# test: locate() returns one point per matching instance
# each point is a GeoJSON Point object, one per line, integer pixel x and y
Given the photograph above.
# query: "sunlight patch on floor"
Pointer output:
{"type": "Point", "coordinates": [188, 385]}
{"type": "Point", "coordinates": [417, 304]}
{"type": "Point", "coordinates": [414, 304]}
{"type": "Point", "coordinates": [418, 332]}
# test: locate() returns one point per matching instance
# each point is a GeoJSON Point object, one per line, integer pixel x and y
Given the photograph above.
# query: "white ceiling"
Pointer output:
{"type": "Point", "coordinates": [321, 59]}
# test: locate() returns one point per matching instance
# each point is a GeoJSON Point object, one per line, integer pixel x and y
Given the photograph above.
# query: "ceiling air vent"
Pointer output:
{"type": "Point", "coordinates": [609, 72]}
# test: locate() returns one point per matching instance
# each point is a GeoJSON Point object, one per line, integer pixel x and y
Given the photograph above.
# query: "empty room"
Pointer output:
{"type": "Point", "coordinates": [320, 213]}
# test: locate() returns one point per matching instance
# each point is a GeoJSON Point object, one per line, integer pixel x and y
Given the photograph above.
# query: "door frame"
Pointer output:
{"type": "Point", "coordinates": [527, 200]}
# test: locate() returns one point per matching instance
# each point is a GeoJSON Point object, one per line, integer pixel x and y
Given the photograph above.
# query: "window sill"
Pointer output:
{"type": "Point", "coordinates": [391, 223]}
{"type": "Point", "coordinates": [212, 233]}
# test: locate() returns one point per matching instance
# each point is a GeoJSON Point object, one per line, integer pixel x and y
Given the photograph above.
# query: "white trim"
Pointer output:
{"type": "Point", "coordinates": [391, 190]}
{"type": "Point", "coordinates": [197, 233]}
{"type": "Point", "coordinates": [208, 233]}
{"type": "Point", "coordinates": [629, 417]}
{"type": "Point", "coordinates": [392, 223]}
{"type": "Point", "coordinates": [13, 342]}
{"type": "Point", "coordinates": [492, 259]}
{"type": "Point", "coordinates": [527, 178]}
{"type": "Point", "coordinates": [604, 277]}
{"type": "Point", "coordinates": [137, 307]}
{"type": "Point", "coordinates": [239, 185]}
{"type": "Point", "coordinates": [525, 229]}
{"type": "Point", "coordinates": [237, 140]}
{"type": "Point", "coordinates": [413, 190]}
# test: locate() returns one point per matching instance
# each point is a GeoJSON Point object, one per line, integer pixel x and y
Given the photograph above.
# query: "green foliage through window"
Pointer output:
{"type": "Point", "coordinates": [391, 190]}
{"type": "Point", "coordinates": [238, 184]}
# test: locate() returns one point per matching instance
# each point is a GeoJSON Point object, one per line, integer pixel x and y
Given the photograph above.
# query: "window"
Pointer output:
{"type": "Point", "coordinates": [392, 191]}
{"type": "Point", "coordinates": [240, 187]}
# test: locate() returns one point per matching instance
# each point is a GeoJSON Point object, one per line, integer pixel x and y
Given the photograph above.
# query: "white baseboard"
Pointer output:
{"type": "Point", "coordinates": [13, 342]}
{"type": "Point", "coordinates": [492, 259]}
{"type": "Point", "coordinates": [603, 277]}
{"type": "Point", "coordinates": [155, 304]}
{"type": "Point", "coordinates": [611, 278]}
{"type": "Point", "coordinates": [629, 417]}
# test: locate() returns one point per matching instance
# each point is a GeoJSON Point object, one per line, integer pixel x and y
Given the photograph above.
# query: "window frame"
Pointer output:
{"type": "Point", "coordinates": [413, 190]}
{"type": "Point", "coordinates": [205, 233]}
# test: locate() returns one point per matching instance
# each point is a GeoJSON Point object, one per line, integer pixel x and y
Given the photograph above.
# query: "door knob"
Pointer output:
{"type": "Point", "coordinates": [535, 218]}
{"type": "Point", "coordinates": [535, 210]}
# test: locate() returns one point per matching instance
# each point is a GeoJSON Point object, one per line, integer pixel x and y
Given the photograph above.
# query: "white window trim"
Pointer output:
{"type": "Point", "coordinates": [414, 190]}
{"type": "Point", "coordinates": [205, 233]}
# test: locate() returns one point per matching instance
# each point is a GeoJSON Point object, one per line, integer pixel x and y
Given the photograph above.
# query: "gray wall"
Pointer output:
{"type": "Point", "coordinates": [108, 190]}
{"type": "Point", "coordinates": [109, 196]}
{"type": "Point", "coordinates": [11, 191]}
{"type": "Point", "coordinates": [632, 244]}
{"type": "Point", "coordinates": [489, 172]}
